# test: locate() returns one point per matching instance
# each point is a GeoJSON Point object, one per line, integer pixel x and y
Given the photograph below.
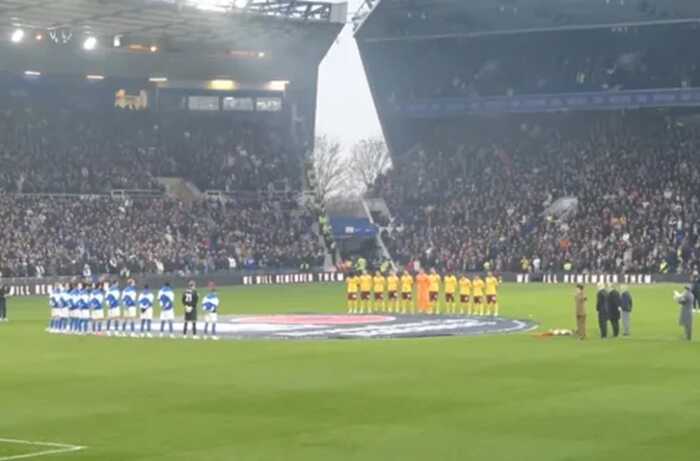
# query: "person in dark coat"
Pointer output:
{"type": "Point", "coordinates": [695, 289]}
{"type": "Point", "coordinates": [602, 307]}
{"type": "Point", "coordinates": [4, 291]}
{"type": "Point", "coordinates": [686, 300]}
{"type": "Point", "coordinates": [614, 303]}
{"type": "Point", "coordinates": [580, 301]}
{"type": "Point", "coordinates": [626, 310]}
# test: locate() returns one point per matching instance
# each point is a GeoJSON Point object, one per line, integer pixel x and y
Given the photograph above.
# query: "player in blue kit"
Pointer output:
{"type": "Point", "coordinates": [84, 303]}
{"type": "Point", "coordinates": [211, 306]}
{"type": "Point", "coordinates": [166, 298]}
{"type": "Point", "coordinates": [64, 303]}
{"type": "Point", "coordinates": [146, 307]}
{"type": "Point", "coordinates": [97, 308]}
{"type": "Point", "coordinates": [73, 309]}
{"type": "Point", "coordinates": [129, 305]}
{"type": "Point", "coordinates": [55, 305]}
{"type": "Point", "coordinates": [113, 308]}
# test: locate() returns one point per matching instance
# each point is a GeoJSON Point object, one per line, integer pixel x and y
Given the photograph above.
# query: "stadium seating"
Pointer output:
{"type": "Point", "coordinates": [62, 165]}
{"type": "Point", "coordinates": [53, 235]}
{"type": "Point", "coordinates": [478, 192]}
{"type": "Point", "coordinates": [70, 151]}
{"type": "Point", "coordinates": [579, 61]}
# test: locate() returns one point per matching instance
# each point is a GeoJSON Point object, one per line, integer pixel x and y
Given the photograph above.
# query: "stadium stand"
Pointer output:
{"type": "Point", "coordinates": [54, 235]}
{"type": "Point", "coordinates": [523, 134]}
{"type": "Point", "coordinates": [92, 135]}
{"type": "Point", "coordinates": [69, 151]}
{"type": "Point", "coordinates": [459, 207]}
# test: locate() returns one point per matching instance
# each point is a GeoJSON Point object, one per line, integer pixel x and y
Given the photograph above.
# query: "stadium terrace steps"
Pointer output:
{"type": "Point", "coordinates": [379, 206]}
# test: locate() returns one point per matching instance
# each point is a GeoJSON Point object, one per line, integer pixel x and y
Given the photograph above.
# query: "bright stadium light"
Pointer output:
{"type": "Point", "coordinates": [240, 4]}
{"type": "Point", "coordinates": [90, 43]}
{"type": "Point", "coordinates": [211, 5]}
{"type": "Point", "coordinates": [32, 73]}
{"type": "Point", "coordinates": [158, 79]}
{"type": "Point", "coordinates": [17, 36]}
{"type": "Point", "coordinates": [95, 77]}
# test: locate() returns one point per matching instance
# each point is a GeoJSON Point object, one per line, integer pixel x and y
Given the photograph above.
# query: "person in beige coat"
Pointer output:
{"type": "Point", "coordinates": [580, 300]}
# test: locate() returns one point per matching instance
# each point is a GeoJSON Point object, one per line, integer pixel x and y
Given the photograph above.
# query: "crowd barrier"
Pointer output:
{"type": "Point", "coordinates": [586, 279]}
{"type": "Point", "coordinates": [42, 286]}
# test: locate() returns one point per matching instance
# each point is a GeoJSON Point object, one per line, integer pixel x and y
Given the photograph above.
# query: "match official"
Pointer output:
{"type": "Point", "coordinates": [189, 300]}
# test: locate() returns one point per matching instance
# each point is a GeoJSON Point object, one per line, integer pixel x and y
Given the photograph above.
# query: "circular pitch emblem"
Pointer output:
{"type": "Point", "coordinates": [318, 327]}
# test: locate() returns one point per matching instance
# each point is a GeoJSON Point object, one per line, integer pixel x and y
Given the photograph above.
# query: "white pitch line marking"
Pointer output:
{"type": "Point", "coordinates": [55, 448]}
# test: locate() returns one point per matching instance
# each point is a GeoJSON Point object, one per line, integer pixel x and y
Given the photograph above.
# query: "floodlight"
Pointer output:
{"type": "Point", "coordinates": [17, 36]}
{"type": "Point", "coordinates": [90, 43]}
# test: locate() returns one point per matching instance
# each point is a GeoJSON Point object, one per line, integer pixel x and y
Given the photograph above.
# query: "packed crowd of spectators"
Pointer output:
{"type": "Point", "coordinates": [486, 192]}
{"type": "Point", "coordinates": [51, 146]}
{"type": "Point", "coordinates": [73, 151]}
{"type": "Point", "coordinates": [44, 236]}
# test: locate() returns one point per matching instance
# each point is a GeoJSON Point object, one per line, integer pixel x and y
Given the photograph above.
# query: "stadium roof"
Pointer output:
{"type": "Point", "coordinates": [401, 19]}
{"type": "Point", "coordinates": [275, 30]}
{"type": "Point", "coordinates": [177, 22]}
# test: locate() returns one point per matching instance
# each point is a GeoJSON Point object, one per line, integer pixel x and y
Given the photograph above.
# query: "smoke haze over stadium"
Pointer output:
{"type": "Point", "coordinates": [343, 92]}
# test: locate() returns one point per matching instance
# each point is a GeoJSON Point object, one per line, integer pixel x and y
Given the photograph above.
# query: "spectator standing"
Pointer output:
{"type": "Point", "coordinates": [626, 310]}
{"type": "Point", "coordinates": [602, 308]}
{"type": "Point", "coordinates": [696, 290]}
{"type": "Point", "coordinates": [580, 299]}
{"type": "Point", "coordinates": [614, 310]}
{"type": "Point", "coordinates": [4, 291]}
{"type": "Point", "coordinates": [685, 319]}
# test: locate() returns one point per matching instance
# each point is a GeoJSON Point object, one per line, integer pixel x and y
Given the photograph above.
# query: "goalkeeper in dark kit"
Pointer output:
{"type": "Point", "coordinates": [190, 299]}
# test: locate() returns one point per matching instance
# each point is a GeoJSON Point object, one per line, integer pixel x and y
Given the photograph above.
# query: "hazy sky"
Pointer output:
{"type": "Point", "coordinates": [345, 108]}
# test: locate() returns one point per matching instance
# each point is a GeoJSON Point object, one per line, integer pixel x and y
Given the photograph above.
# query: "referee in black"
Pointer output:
{"type": "Point", "coordinates": [190, 299]}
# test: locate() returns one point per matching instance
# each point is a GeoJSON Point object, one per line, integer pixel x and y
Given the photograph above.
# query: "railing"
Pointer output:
{"type": "Point", "coordinates": [253, 196]}
{"type": "Point", "coordinates": [53, 195]}
{"type": "Point", "coordinates": [362, 13]}
{"type": "Point", "coordinates": [136, 193]}
{"type": "Point", "coordinates": [380, 240]}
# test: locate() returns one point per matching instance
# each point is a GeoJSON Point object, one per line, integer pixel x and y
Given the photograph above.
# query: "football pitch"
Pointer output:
{"type": "Point", "coordinates": [506, 397]}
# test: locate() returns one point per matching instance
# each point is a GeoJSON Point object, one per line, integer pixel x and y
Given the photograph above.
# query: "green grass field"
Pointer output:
{"type": "Point", "coordinates": [481, 398]}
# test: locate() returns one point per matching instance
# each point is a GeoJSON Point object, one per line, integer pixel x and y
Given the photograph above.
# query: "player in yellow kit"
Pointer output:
{"type": "Point", "coordinates": [392, 288]}
{"type": "Point", "coordinates": [465, 292]}
{"type": "Point", "coordinates": [491, 298]}
{"type": "Point", "coordinates": [407, 293]}
{"type": "Point", "coordinates": [434, 291]}
{"type": "Point", "coordinates": [478, 292]}
{"type": "Point", "coordinates": [365, 292]}
{"type": "Point", "coordinates": [353, 285]}
{"type": "Point", "coordinates": [450, 284]}
{"type": "Point", "coordinates": [378, 284]}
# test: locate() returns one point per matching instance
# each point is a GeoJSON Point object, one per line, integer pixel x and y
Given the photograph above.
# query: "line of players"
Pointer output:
{"type": "Point", "coordinates": [79, 309]}
{"type": "Point", "coordinates": [394, 293]}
